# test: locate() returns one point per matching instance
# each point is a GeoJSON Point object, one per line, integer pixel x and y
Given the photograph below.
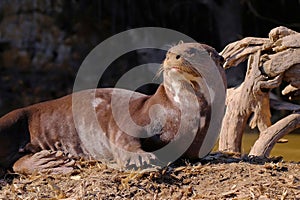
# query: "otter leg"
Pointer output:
{"type": "Point", "coordinates": [139, 160]}
{"type": "Point", "coordinates": [143, 160]}
{"type": "Point", "coordinates": [44, 161]}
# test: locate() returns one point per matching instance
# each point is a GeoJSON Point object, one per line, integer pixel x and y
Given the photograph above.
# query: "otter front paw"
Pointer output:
{"type": "Point", "coordinates": [142, 161]}
{"type": "Point", "coordinates": [44, 161]}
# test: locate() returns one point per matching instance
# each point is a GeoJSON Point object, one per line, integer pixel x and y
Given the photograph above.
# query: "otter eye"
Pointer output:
{"type": "Point", "coordinates": [177, 57]}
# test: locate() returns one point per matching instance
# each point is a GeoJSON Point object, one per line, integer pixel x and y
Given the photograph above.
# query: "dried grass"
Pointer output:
{"type": "Point", "coordinates": [218, 176]}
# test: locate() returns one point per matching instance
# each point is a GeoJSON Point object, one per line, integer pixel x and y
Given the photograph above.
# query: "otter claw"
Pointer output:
{"type": "Point", "coordinates": [143, 161]}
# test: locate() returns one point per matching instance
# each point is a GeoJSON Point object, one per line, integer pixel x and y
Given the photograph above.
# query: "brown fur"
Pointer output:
{"type": "Point", "coordinates": [27, 134]}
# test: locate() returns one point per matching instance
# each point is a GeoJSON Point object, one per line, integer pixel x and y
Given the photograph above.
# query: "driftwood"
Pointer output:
{"type": "Point", "coordinates": [270, 62]}
{"type": "Point", "coordinates": [267, 139]}
{"type": "Point", "coordinates": [292, 76]}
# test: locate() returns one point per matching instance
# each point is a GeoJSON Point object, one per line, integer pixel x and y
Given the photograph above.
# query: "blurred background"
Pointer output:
{"type": "Point", "coordinates": [43, 42]}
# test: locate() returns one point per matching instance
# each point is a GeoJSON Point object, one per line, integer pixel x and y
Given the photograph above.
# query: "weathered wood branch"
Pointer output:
{"type": "Point", "coordinates": [268, 138]}
{"type": "Point", "coordinates": [231, 48]}
{"type": "Point", "coordinates": [270, 61]}
{"type": "Point", "coordinates": [241, 102]}
{"type": "Point", "coordinates": [233, 123]}
{"type": "Point", "coordinates": [282, 61]}
{"type": "Point", "coordinates": [239, 51]}
{"type": "Point", "coordinates": [292, 76]}
{"type": "Point", "coordinates": [280, 32]}
{"type": "Point", "coordinates": [290, 41]}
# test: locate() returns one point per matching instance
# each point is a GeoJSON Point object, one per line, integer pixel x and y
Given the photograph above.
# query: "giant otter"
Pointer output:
{"type": "Point", "coordinates": [47, 136]}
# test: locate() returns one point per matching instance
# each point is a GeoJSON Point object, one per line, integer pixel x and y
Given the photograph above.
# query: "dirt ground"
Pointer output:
{"type": "Point", "coordinates": [218, 176]}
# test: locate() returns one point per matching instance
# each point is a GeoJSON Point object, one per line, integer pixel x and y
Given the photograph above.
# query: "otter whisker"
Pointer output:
{"type": "Point", "coordinates": [159, 72]}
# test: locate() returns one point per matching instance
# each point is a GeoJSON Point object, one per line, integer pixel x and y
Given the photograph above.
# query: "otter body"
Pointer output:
{"type": "Point", "coordinates": [47, 136]}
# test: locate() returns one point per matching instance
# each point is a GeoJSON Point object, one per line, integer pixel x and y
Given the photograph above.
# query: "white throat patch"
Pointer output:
{"type": "Point", "coordinates": [96, 102]}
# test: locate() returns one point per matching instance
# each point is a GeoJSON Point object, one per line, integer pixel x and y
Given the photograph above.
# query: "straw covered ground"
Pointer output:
{"type": "Point", "coordinates": [218, 176]}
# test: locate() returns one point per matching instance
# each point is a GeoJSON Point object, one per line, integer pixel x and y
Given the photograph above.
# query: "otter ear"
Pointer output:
{"type": "Point", "coordinates": [218, 58]}
{"type": "Point", "coordinates": [180, 42]}
{"type": "Point", "coordinates": [221, 60]}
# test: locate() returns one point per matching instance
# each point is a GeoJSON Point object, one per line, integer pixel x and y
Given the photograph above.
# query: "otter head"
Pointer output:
{"type": "Point", "coordinates": [183, 61]}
